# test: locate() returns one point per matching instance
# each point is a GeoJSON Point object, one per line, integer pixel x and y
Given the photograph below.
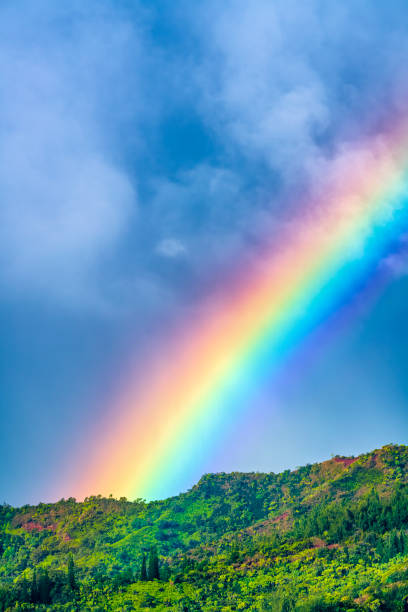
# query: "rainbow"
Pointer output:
{"type": "Point", "coordinates": [178, 408]}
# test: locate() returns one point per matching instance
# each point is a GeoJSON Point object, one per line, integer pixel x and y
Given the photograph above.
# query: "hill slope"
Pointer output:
{"type": "Point", "coordinates": [327, 536]}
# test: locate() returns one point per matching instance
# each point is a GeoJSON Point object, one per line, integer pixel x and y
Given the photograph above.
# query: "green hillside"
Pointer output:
{"type": "Point", "coordinates": [328, 536]}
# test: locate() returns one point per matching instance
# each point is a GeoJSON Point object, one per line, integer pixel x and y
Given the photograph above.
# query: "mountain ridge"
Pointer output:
{"type": "Point", "coordinates": [242, 528]}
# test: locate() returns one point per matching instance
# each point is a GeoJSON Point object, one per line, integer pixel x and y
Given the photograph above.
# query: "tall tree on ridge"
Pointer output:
{"type": "Point", "coordinates": [143, 572]}
{"type": "Point", "coordinates": [71, 573]}
{"type": "Point", "coordinates": [153, 567]}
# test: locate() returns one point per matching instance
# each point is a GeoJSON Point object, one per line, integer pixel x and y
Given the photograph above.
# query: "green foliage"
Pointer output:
{"type": "Point", "coordinates": [153, 565]}
{"type": "Point", "coordinates": [325, 537]}
{"type": "Point", "coordinates": [71, 582]}
{"type": "Point", "coordinates": [143, 570]}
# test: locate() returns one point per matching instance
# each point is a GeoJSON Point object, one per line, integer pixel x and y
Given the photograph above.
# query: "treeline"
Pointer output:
{"type": "Point", "coordinates": [311, 540]}
{"type": "Point", "coordinates": [151, 569]}
{"type": "Point", "coordinates": [43, 588]}
{"type": "Point", "coordinates": [336, 521]}
{"type": "Point", "coordinates": [59, 587]}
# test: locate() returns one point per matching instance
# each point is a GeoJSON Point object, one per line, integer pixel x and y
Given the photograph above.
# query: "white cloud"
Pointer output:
{"type": "Point", "coordinates": [259, 87]}
{"type": "Point", "coordinates": [281, 81]}
{"type": "Point", "coordinates": [170, 247]}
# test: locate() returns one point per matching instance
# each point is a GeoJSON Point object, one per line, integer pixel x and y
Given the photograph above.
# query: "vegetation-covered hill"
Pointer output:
{"type": "Point", "coordinates": [328, 536]}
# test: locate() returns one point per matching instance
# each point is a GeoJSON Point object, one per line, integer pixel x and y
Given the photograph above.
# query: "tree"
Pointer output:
{"type": "Point", "coordinates": [44, 587]}
{"type": "Point", "coordinates": [71, 574]}
{"type": "Point", "coordinates": [34, 587]}
{"type": "Point", "coordinates": [24, 590]}
{"type": "Point", "coordinates": [165, 573]}
{"type": "Point", "coordinates": [143, 572]}
{"type": "Point", "coordinates": [153, 565]}
{"type": "Point", "coordinates": [234, 553]}
{"type": "Point", "coordinates": [393, 544]}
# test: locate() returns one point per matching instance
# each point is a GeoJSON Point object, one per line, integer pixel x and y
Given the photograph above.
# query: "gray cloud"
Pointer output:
{"type": "Point", "coordinates": [208, 210]}
{"type": "Point", "coordinates": [66, 200]}
{"type": "Point", "coordinates": [282, 89]}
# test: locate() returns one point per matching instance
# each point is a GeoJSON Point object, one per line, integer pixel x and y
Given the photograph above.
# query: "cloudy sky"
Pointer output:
{"type": "Point", "coordinates": [147, 149]}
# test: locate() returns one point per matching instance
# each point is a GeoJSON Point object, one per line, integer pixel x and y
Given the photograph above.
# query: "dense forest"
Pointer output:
{"type": "Point", "coordinates": [328, 536]}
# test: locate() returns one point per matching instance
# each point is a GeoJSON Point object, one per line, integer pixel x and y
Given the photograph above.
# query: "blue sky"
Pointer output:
{"type": "Point", "coordinates": [145, 149]}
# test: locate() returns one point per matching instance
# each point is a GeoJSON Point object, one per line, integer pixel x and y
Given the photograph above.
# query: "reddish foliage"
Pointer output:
{"type": "Point", "coordinates": [319, 543]}
{"type": "Point", "coordinates": [346, 461]}
{"type": "Point", "coordinates": [281, 517]}
{"type": "Point", "coordinates": [33, 526]}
